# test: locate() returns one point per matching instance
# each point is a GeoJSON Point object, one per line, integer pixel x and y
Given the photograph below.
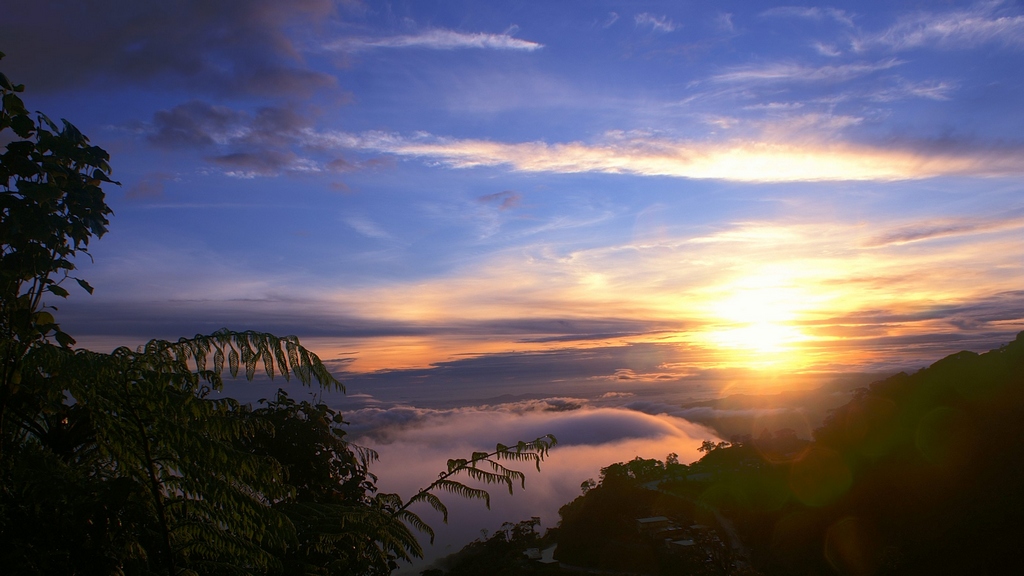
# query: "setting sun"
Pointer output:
{"type": "Point", "coordinates": [765, 342]}
{"type": "Point", "coordinates": [754, 321]}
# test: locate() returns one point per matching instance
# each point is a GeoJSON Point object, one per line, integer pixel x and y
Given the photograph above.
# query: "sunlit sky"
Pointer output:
{"type": "Point", "coordinates": [425, 185]}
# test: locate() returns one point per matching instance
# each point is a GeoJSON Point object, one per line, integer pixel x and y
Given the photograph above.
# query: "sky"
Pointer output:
{"type": "Point", "coordinates": [404, 185]}
{"type": "Point", "coordinates": [464, 204]}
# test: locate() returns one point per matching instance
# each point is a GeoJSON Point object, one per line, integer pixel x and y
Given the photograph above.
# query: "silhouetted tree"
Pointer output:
{"type": "Point", "coordinates": [127, 463]}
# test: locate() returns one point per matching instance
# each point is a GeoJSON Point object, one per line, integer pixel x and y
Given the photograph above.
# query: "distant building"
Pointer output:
{"type": "Point", "coordinates": [545, 556]}
{"type": "Point", "coordinates": [652, 524]}
{"type": "Point", "coordinates": [682, 543]}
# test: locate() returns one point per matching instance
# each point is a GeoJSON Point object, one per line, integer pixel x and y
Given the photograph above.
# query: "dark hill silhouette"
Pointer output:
{"type": "Point", "coordinates": [937, 460]}
{"type": "Point", "coordinates": [917, 474]}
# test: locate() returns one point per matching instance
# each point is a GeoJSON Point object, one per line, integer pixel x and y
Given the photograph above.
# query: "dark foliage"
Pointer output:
{"type": "Point", "coordinates": [937, 463]}
{"type": "Point", "coordinates": [501, 554]}
{"type": "Point", "coordinates": [127, 463]}
{"type": "Point", "coordinates": [917, 474]}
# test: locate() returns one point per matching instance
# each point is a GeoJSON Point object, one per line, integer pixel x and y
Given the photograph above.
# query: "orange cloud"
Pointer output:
{"type": "Point", "coordinates": [745, 160]}
{"type": "Point", "coordinates": [752, 295]}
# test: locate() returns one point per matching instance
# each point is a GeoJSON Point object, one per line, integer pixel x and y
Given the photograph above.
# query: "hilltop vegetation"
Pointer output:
{"type": "Point", "coordinates": [917, 474]}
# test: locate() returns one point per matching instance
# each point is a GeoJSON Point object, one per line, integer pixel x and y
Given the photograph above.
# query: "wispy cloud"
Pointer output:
{"type": "Point", "coordinates": [262, 163]}
{"type": "Point", "coordinates": [366, 227]}
{"type": "Point", "coordinates": [657, 23]}
{"type": "Point", "coordinates": [150, 186]}
{"type": "Point", "coordinates": [724, 22]}
{"type": "Point", "coordinates": [792, 72]}
{"type": "Point", "coordinates": [439, 39]}
{"type": "Point", "coordinates": [271, 141]}
{"type": "Point", "coordinates": [945, 228]}
{"type": "Point", "coordinates": [740, 160]}
{"type": "Point", "coordinates": [505, 200]}
{"type": "Point", "coordinates": [238, 143]}
{"type": "Point", "coordinates": [829, 50]}
{"type": "Point", "coordinates": [981, 24]}
{"type": "Point", "coordinates": [903, 89]}
{"type": "Point", "coordinates": [628, 374]}
{"type": "Point", "coordinates": [775, 106]}
{"type": "Point", "coordinates": [812, 13]}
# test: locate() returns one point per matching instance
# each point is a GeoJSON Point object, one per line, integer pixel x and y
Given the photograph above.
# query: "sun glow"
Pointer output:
{"type": "Point", "coordinates": [755, 322]}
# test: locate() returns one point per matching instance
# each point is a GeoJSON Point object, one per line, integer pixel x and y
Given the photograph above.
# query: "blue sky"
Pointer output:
{"type": "Point", "coordinates": [680, 188]}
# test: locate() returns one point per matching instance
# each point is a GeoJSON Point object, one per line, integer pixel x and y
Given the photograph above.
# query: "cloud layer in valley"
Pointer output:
{"type": "Point", "coordinates": [415, 444]}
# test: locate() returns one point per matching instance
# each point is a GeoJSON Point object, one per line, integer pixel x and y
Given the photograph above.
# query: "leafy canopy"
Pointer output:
{"type": "Point", "coordinates": [133, 462]}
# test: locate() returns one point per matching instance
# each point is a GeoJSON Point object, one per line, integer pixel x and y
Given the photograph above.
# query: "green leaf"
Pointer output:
{"type": "Point", "coordinates": [57, 290]}
{"type": "Point", "coordinates": [72, 133]}
{"type": "Point", "coordinates": [43, 318]}
{"type": "Point", "coordinates": [98, 174]}
{"type": "Point", "coordinates": [13, 104]}
{"type": "Point", "coordinates": [22, 125]}
{"type": "Point", "coordinates": [47, 121]}
{"type": "Point", "coordinates": [85, 285]}
{"type": "Point", "coordinates": [64, 339]}
{"type": "Point", "coordinates": [233, 362]}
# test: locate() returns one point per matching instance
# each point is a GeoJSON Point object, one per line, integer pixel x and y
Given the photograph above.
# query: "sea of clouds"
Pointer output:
{"type": "Point", "coordinates": [415, 444]}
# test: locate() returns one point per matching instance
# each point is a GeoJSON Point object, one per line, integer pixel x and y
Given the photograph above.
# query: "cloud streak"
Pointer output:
{"type": "Point", "coordinates": [367, 227]}
{"type": "Point", "coordinates": [810, 13]}
{"type": "Point", "coordinates": [506, 200]}
{"type": "Point", "coordinates": [267, 142]}
{"type": "Point", "coordinates": [947, 228]}
{"type": "Point", "coordinates": [656, 23]}
{"type": "Point", "coordinates": [961, 29]}
{"type": "Point", "coordinates": [738, 160]}
{"type": "Point", "coordinates": [791, 72]}
{"type": "Point", "coordinates": [439, 39]}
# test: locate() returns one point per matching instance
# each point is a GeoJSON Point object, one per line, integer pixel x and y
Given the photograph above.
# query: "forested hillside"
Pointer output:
{"type": "Point", "coordinates": [917, 474]}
